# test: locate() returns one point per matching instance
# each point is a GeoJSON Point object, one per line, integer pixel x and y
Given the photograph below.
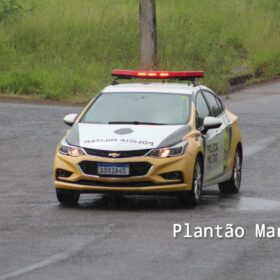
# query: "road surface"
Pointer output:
{"type": "Point", "coordinates": [102, 239]}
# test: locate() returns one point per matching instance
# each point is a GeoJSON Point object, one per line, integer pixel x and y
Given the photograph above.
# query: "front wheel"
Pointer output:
{"type": "Point", "coordinates": [233, 185]}
{"type": "Point", "coordinates": [67, 197]}
{"type": "Point", "coordinates": [193, 197]}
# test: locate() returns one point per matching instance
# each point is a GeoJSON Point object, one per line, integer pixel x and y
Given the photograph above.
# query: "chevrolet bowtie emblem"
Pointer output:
{"type": "Point", "coordinates": [114, 155]}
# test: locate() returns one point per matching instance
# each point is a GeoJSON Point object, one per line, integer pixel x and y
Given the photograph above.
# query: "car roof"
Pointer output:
{"type": "Point", "coordinates": [163, 87]}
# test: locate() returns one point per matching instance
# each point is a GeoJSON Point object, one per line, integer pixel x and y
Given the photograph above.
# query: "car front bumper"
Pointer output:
{"type": "Point", "coordinates": [151, 181]}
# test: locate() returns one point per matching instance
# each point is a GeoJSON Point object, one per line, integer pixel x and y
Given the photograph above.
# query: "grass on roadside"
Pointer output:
{"type": "Point", "coordinates": [60, 49]}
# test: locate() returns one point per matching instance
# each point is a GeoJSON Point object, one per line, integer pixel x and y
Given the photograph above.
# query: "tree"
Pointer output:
{"type": "Point", "coordinates": [148, 33]}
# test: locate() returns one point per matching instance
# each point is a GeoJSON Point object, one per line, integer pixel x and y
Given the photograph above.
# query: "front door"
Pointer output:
{"type": "Point", "coordinates": [214, 153]}
{"type": "Point", "coordinates": [214, 139]}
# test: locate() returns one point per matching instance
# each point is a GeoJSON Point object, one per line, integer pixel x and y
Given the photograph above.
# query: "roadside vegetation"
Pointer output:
{"type": "Point", "coordinates": [66, 49]}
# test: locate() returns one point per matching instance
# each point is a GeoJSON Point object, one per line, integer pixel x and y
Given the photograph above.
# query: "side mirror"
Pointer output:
{"type": "Point", "coordinates": [210, 123]}
{"type": "Point", "coordinates": [70, 119]}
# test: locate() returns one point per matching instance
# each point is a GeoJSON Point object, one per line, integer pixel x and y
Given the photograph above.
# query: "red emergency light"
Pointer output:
{"type": "Point", "coordinates": [147, 74]}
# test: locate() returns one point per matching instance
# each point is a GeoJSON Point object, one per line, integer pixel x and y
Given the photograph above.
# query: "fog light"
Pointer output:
{"type": "Point", "coordinates": [63, 173]}
{"type": "Point", "coordinates": [175, 175]}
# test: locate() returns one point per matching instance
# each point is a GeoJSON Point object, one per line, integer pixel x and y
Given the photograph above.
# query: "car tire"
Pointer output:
{"type": "Point", "coordinates": [67, 197]}
{"type": "Point", "coordinates": [193, 197]}
{"type": "Point", "coordinates": [233, 185]}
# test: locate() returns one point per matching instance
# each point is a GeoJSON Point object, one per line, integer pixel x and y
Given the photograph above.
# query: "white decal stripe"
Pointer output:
{"type": "Point", "coordinates": [103, 137]}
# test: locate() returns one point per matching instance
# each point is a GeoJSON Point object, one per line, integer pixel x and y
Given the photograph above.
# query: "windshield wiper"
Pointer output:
{"type": "Point", "coordinates": [135, 123]}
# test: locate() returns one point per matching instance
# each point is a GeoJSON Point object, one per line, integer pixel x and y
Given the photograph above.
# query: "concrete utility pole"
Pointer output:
{"type": "Point", "coordinates": [148, 30]}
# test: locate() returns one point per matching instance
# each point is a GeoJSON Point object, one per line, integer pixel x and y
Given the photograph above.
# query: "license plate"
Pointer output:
{"type": "Point", "coordinates": [113, 169]}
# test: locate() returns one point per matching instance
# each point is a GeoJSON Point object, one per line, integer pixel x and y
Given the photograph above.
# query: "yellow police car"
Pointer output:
{"type": "Point", "coordinates": [150, 137]}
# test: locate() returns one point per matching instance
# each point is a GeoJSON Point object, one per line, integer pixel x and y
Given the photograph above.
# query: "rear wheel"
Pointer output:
{"type": "Point", "coordinates": [233, 185]}
{"type": "Point", "coordinates": [193, 197]}
{"type": "Point", "coordinates": [67, 197]}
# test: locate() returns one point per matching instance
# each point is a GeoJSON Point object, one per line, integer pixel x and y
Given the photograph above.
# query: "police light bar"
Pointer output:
{"type": "Point", "coordinates": [143, 74]}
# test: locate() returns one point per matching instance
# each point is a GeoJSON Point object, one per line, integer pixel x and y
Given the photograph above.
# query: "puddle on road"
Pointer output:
{"type": "Point", "coordinates": [210, 199]}
{"type": "Point", "coordinates": [213, 198]}
{"type": "Point", "coordinates": [252, 204]}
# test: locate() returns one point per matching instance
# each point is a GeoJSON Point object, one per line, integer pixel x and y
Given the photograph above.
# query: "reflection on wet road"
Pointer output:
{"type": "Point", "coordinates": [212, 199]}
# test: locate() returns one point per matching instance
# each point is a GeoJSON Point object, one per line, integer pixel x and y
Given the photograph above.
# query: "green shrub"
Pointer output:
{"type": "Point", "coordinates": [22, 83]}
{"type": "Point", "coordinates": [9, 8]}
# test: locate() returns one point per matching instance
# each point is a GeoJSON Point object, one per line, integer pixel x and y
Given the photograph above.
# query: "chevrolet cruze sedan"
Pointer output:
{"type": "Point", "coordinates": [150, 137]}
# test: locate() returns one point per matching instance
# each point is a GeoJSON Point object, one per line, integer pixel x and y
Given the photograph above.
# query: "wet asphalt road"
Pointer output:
{"type": "Point", "coordinates": [102, 239]}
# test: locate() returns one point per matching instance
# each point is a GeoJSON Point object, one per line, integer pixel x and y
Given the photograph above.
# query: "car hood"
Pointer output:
{"type": "Point", "coordinates": [116, 137]}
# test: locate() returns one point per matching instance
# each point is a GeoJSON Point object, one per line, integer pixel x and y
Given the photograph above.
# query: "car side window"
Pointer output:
{"type": "Point", "coordinates": [212, 101]}
{"type": "Point", "coordinates": [202, 110]}
{"type": "Point", "coordinates": [220, 104]}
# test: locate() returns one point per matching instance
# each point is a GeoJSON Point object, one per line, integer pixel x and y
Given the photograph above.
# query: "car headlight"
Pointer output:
{"type": "Point", "coordinates": [173, 151]}
{"type": "Point", "coordinates": [69, 150]}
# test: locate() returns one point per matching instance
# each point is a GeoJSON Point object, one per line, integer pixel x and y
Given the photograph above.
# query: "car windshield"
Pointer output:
{"type": "Point", "coordinates": [139, 108]}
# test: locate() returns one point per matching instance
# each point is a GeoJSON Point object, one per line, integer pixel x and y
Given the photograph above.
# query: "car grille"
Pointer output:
{"type": "Point", "coordinates": [121, 154]}
{"type": "Point", "coordinates": [117, 184]}
{"type": "Point", "coordinates": [136, 168]}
